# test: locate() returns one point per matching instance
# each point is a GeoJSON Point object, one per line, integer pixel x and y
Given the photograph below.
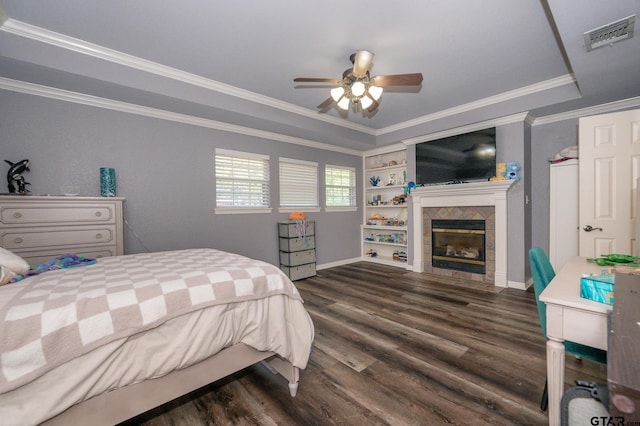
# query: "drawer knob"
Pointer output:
{"type": "Point", "coordinates": [18, 240]}
{"type": "Point", "coordinates": [98, 236]}
{"type": "Point", "coordinates": [17, 215]}
{"type": "Point", "coordinates": [98, 214]}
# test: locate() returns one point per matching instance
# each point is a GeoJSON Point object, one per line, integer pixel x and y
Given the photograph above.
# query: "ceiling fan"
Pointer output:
{"type": "Point", "coordinates": [357, 87]}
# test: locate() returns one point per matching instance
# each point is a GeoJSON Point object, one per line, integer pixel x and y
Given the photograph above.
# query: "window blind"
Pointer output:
{"type": "Point", "coordinates": [340, 186]}
{"type": "Point", "coordinates": [242, 179]}
{"type": "Point", "coordinates": [298, 183]}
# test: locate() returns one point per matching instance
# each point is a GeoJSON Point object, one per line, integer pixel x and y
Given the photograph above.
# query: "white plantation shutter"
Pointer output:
{"type": "Point", "coordinates": [298, 183]}
{"type": "Point", "coordinates": [242, 180]}
{"type": "Point", "coordinates": [340, 186]}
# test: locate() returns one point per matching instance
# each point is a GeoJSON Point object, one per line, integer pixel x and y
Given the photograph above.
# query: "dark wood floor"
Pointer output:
{"type": "Point", "coordinates": [394, 347]}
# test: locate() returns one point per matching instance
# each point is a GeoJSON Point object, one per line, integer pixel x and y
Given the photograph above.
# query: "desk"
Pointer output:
{"type": "Point", "coordinates": [570, 317]}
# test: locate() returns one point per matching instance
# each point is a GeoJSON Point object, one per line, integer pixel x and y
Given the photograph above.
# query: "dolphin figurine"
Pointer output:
{"type": "Point", "coordinates": [15, 175]}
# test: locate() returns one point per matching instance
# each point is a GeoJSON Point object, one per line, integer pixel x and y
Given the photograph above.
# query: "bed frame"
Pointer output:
{"type": "Point", "coordinates": [124, 403]}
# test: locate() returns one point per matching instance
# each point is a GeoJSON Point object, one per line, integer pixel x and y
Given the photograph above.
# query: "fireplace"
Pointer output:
{"type": "Point", "coordinates": [474, 201]}
{"type": "Point", "coordinates": [458, 245]}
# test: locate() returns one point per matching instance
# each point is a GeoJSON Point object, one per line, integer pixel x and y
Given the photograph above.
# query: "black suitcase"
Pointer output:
{"type": "Point", "coordinates": [585, 404]}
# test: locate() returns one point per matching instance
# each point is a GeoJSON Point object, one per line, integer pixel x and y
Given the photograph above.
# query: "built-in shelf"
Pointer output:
{"type": "Point", "coordinates": [386, 261]}
{"type": "Point", "coordinates": [386, 168]}
{"type": "Point", "coordinates": [386, 227]}
{"type": "Point", "coordinates": [378, 188]}
{"type": "Point", "coordinates": [382, 243]}
{"type": "Point", "coordinates": [390, 189]}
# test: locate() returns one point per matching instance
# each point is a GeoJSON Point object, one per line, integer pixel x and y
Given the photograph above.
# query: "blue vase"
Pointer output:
{"type": "Point", "coordinates": [107, 182]}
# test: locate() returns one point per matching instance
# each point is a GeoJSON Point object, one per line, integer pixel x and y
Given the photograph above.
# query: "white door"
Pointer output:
{"type": "Point", "coordinates": [609, 169]}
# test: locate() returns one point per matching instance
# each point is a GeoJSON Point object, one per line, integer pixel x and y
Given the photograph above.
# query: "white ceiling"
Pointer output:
{"type": "Point", "coordinates": [234, 61]}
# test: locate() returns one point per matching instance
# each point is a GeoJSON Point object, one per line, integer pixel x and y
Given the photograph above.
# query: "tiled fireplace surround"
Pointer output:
{"type": "Point", "coordinates": [477, 200]}
{"type": "Point", "coordinates": [485, 213]}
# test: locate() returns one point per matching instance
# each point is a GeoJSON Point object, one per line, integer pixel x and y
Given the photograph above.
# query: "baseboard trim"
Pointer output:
{"type": "Point", "coordinates": [338, 263]}
{"type": "Point", "coordinates": [518, 285]}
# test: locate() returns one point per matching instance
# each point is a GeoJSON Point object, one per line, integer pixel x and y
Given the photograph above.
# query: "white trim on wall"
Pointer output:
{"type": "Point", "coordinates": [593, 110]}
{"type": "Point", "coordinates": [337, 263]}
{"type": "Point", "coordinates": [492, 100]}
{"type": "Point", "coordinates": [42, 35]}
{"type": "Point", "coordinates": [501, 121]}
{"type": "Point", "coordinates": [81, 98]}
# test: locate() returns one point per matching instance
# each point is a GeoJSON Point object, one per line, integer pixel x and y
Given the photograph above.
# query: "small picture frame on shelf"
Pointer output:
{"type": "Point", "coordinates": [392, 179]}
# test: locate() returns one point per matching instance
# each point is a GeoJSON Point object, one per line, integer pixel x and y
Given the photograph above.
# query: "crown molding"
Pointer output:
{"type": "Point", "coordinates": [384, 149]}
{"type": "Point", "coordinates": [81, 98]}
{"type": "Point", "coordinates": [52, 38]}
{"type": "Point", "coordinates": [593, 110]}
{"type": "Point", "coordinates": [502, 97]}
{"type": "Point", "coordinates": [522, 117]}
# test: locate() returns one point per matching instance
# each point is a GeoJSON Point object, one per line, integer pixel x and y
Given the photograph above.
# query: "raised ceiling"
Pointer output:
{"type": "Point", "coordinates": [233, 62]}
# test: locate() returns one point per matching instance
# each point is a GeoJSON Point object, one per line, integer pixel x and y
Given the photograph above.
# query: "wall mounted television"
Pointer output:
{"type": "Point", "coordinates": [456, 159]}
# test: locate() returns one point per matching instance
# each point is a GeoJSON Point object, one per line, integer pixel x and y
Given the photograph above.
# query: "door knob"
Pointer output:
{"type": "Point", "coordinates": [590, 228]}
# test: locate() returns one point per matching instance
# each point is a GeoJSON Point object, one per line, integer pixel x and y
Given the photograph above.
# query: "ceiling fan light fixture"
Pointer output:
{"type": "Point", "coordinates": [375, 92]}
{"type": "Point", "coordinates": [366, 102]}
{"type": "Point", "coordinates": [337, 93]}
{"type": "Point", "coordinates": [362, 62]}
{"type": "Point", "coordinates": [343, 103]}
{"type": "Point", "coordinates": [358, 88]}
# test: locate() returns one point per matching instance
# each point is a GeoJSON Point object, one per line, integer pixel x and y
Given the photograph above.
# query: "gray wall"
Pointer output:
{"type": "Point", "coordinates": [165, 171]}
{"type": "Point", "coordinates": [510, 146]}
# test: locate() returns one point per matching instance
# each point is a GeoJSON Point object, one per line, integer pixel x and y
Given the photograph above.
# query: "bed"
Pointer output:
{"type": "Point", "coordinates": [99, 344]}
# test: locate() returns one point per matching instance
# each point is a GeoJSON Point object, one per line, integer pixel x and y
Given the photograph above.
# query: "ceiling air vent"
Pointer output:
{"type": "Point", "coordinates": [610, 33]}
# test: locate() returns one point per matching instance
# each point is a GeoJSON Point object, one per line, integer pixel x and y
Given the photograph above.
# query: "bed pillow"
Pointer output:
{"type": "Point", "coordinates": [5, 275]}
{"type": "Point", "coordinates": [13, 262]}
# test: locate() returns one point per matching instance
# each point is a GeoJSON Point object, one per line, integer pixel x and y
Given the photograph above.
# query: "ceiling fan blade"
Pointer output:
{"type": "Point", "coordinates": [373, 106]}
{"type": "Point", "coordinates": [326, 103]}
{"type": "Point", "coordinates": [317, 80]}
{"type": "Point", "coordinates": [397, 80]}
{"type": "Point", "coordinates": [362, 62]}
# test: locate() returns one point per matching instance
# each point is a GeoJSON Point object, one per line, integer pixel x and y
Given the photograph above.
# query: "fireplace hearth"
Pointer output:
{"type": "Point", "coordinates": [458, 245]}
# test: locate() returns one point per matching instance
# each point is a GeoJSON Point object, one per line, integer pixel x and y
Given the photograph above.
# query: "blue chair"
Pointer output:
{"type": "Point", "coordinates": [542, 273]}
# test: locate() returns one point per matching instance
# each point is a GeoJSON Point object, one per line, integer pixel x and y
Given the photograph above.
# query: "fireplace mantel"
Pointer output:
{"type": "Point", "coordinates": [486, 193]}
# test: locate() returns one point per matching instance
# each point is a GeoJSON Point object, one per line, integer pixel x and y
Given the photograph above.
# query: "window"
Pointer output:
{"type": "Point", "coordinates": [340, 186]}
{"type": "Point", "coordinates": [298, 185]}
{"type": "Point", "coordinates": [242, 182]}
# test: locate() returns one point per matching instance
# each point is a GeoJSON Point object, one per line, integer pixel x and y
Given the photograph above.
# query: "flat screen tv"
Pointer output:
{"type": "Point", "coordinates": [457, 159]}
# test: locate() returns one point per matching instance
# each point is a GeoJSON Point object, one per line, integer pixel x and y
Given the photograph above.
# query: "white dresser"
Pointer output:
{"type": "Point", "coordinates": [39, 228]}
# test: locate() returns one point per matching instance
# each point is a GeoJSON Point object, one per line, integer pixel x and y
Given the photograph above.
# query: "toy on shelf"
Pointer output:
{"type": "Point", "coordinates": [14, 176]}
{"type": "Point", "coordinates": [513, 167]}
{"type": "Point", "coordinates": [501, 169]}
{"type": "Point", "coordinates": [399, 200]}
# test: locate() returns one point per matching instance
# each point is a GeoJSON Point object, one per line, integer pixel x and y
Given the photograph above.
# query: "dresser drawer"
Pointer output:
{"type": "Point", "coordinates": [293, 229]}
{"type": "Point", "coordinates": [54, 213]}
{"type": "Point", "coordinates": [297, 244]}
{"type": "Point", "coordinates": [299, 272]}
{"type": "Point", "coordinates": [21, 238]}
{"type": "Point", "coordinates": [297, 258]}
{"type": "Point", "coordinates": [43, 256]}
